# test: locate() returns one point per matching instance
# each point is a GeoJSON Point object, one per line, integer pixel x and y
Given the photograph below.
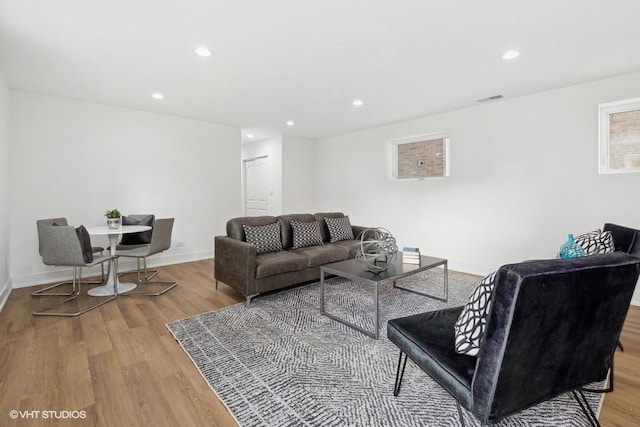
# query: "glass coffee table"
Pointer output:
{"type": "Point", "coordinates": [353, 270]}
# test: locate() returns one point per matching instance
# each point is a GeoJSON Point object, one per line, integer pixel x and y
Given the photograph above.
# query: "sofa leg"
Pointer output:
{"type": "Point", "coordinates": [250, 297]}
{"type": "Point", "coordinates": [399, 373]}
{"type": "Point", "coordinates": [216, 284]}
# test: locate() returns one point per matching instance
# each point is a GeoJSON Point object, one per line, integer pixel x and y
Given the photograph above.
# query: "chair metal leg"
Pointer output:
{"type": "Point", "coordinates": [611, 376]}
{"type": "Point", "coordinates": [142, 274]}
{"type": "Point", "coordinates": [77, 286]}
{"type": "Point", "coordinates": [399, 373]}
{"type": "Point", "coordinates": [460, 414]}
{"type": "Point", "coordinates": [586, 408]}
{"type": "Point", "coordinates": [143, 281]}
{"type": "Point", "coordinates": [43, 292]}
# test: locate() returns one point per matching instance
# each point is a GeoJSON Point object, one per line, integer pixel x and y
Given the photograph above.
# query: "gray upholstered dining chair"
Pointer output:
{"type": "Point", "coordinates": [138, 240]}
{"type": "Point", "coordinates": [160, 242]}
{"type": "Point", "coordinates": [47, 291]}
{"type": "Point", "coordinates": [61, 246]}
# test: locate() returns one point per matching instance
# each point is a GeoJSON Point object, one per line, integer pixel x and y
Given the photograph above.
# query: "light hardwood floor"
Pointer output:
{"type": "Point", "coordinates": [121, 366]}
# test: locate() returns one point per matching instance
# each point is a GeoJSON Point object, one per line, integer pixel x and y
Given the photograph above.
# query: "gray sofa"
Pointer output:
{"type": "Point", "coordinates": [238, 264]}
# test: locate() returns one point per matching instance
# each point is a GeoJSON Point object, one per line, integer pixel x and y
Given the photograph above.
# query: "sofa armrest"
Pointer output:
{"type": "Point", "coordinates": [235, 264]}
{"type": "Point", "coordinates": [357, 229]}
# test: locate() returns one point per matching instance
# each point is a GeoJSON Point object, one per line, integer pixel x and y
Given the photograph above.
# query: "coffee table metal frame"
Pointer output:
{"type": "Point", "coordinates": [353, 270]}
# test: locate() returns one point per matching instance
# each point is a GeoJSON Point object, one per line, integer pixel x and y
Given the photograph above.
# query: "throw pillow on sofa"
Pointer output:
{"type": "Point", "coordinates": [266, 238]}
{"type": "Point", "coordinates": [596, 242]}
{"type": "Point", "coordinates": [470, 326]}
{"type": "Point", "coordinates": [339, 229]}
{"type": "Point", "coordinates": [306, 234]}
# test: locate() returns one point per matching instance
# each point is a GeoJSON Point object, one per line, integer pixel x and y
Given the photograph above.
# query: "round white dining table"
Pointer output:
{"type": "Point", "coordinates": [112, 281]}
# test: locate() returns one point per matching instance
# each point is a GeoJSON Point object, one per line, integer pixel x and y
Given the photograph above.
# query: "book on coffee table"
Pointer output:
{"type": "Point", "coordinates": [410, 255]}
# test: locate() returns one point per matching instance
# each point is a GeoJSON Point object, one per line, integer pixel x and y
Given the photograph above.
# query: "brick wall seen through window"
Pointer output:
{"type": "Point", "coordinates": [422, 159]}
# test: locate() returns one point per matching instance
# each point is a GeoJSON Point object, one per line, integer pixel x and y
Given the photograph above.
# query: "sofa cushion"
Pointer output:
{"type": "Point", "coordinates": [273, 263]}
{"type": "Point", "coordinates": [349, 245]}
{"type": "Point", "coordinates": [339, 229]}
{"type": "Point", "coordinates": [306, 234]}
{"type": "Point", "coordinates": [432, 348]}
{"type": "Point", "coordinates": [287, 231]}
{"type": "Point", "coordinates": [596, 242]}
{"type": "Point", "coordinates": [324, 254]}
{"type": "Point", "coordinates": [266, 238]}
{"type": "Point", "coordinates": [470, 326]}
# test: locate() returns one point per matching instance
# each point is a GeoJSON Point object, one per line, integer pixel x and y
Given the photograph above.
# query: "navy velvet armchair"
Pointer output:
{"type": "Point", "coordinates": [552, 328]}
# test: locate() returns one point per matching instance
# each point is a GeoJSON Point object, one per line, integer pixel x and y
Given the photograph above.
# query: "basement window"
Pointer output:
{"type": "Point", "coordinates": [421, 157]}
{"type": "Point", "coordinates": [619, 137]}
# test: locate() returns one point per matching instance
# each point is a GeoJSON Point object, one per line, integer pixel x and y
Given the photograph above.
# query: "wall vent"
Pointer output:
{"type": "Point", "coordinates": [491, 98]}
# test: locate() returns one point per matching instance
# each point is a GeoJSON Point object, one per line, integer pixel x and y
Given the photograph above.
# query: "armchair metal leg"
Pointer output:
{"type": "Point", "coordinates": [76, 286]}
{"type": "Point", "coordinates": [586, 408]}
{"type": "Point", "coordinates": [611, 376]}
{"type": "Point", "coordinates": [460, 414]}
{"type": "Point", "coordinates": [399, 373]}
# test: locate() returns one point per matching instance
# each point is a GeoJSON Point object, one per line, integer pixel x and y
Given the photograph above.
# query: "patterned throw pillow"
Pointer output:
{"type": "Point", "coordinates": [306, 234]}
{"type": "Point", "coordinates": [470, 326]}
{"type": "Point", "coordinates": [266, 238]}
{"type": "Point", "coordinates": [339, 229]}
{"type": "Point", "coordinates": [596, 242]}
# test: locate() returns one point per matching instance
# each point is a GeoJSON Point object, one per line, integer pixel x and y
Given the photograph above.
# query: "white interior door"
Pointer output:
{"type": "Point", "coordinates": [256, 186]}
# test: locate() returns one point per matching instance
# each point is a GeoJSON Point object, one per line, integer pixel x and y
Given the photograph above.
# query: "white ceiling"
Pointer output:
{"type": "Point", "coordinates": [307, 60]}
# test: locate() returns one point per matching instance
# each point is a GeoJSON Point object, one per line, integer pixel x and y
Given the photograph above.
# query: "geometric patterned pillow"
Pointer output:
{"type": "Point", "coordinates": [266, 238]}
{"type": "Point", "coordinates": [306, 233]}
{"type": "Point", "coordinates": [339, 229]}
{"type": "Point", "coordinates": [596, 242]}
{"type": "Point", "coordinates": [470, 326]}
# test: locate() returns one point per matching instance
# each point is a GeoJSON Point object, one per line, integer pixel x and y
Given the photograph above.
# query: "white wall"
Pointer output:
{"type": "Point", "coordinates": [524, 174]}
{"type": "Point", "coordinates": [298, 175]}
{"type": "Point", "coordinates": [77, 159]}
{"type": "Point", "coordinates": [272, 148]}
{"type": "Point", "coordinates": [5, 257]}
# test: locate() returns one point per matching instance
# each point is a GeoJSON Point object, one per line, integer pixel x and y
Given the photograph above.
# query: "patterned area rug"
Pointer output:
{"type": "Point", "coordinates": [280, 363]}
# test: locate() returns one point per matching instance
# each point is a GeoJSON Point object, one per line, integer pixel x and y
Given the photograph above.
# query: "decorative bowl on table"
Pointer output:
{"type": "Point", "coordinates": [376, 249]}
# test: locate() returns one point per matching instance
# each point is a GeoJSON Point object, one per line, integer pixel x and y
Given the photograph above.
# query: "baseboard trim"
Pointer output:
{"type": "Point", "coordinates": [4, 293]}
{"type": "Point", "coordinates": [127, 264]}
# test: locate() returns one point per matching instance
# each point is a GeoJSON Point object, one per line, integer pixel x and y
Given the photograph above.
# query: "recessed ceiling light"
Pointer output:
{"type": "Point", "coordinates": [358, 102]}
{"type": "Point", "coordinates": [203, 51]}
{"type": "Point", "coordinates": [157, 95]}
{"type": "Point", "coordinates": [290, 123]}
{"type": "Point", "coordinates": [510, 54]}
{"type": "Point", "coordinates": [250, 135]}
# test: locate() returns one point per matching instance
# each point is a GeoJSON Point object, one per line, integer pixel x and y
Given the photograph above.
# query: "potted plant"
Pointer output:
{"type": "Point", "coordinates": [114, 218]}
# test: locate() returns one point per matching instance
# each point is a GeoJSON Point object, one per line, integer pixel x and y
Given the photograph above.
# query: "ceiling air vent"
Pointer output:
{"type": "Point", "coordinates": [491, 98]}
